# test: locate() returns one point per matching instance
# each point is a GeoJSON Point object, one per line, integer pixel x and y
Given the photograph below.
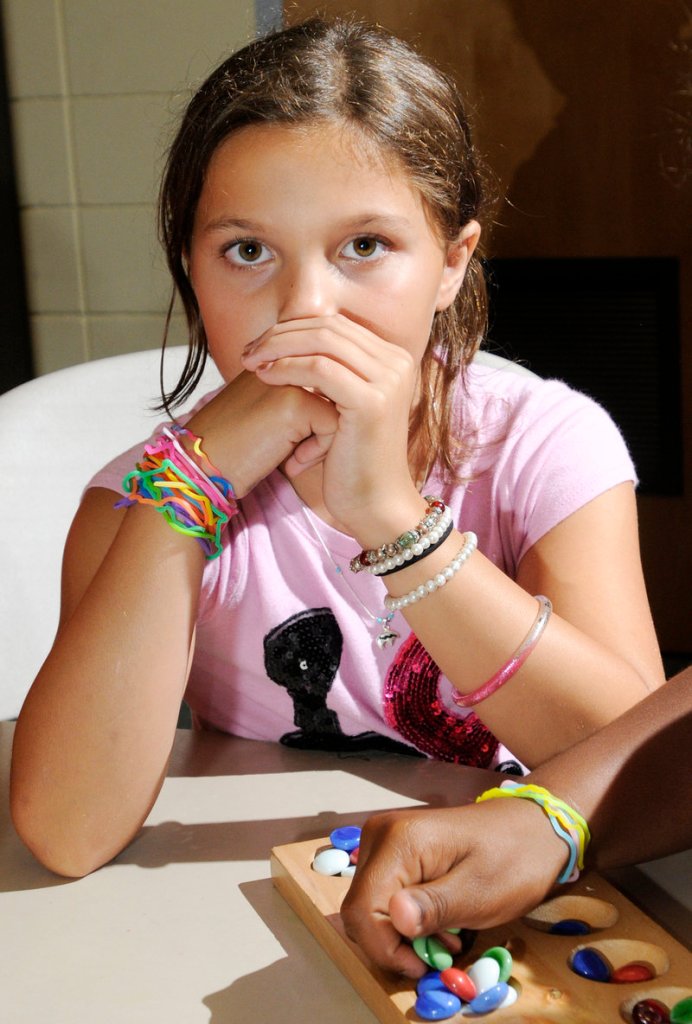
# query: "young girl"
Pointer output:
{"type": "Point", "coordinates": [369, 577]}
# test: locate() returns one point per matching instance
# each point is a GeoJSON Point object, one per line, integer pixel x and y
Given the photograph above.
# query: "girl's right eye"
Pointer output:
{"type": "Point", "coordinates": [247, 252]}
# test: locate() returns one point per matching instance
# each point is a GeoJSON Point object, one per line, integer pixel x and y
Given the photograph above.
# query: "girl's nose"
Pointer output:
{"type": "Point", "coordinates": [307, 291]}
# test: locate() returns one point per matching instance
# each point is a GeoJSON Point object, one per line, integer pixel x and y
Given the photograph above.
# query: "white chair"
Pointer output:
{"type": "Point", "coordinates": [500, 363]}
{"type": "Point", "coordinates": [55, 432]}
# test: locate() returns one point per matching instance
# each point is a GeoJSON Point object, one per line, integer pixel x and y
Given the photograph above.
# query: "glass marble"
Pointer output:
{"type": "Point", "coordinates": [484, 973]}
{"type": "Point", "coordinates": [437, 1005]}
{"type": "Point", "coordinates": [589, 963]}
{"type": "Point", "coordinates": [650, 1011]}
{"type": "Point", "coordinates": [345, 838]}
{"type": "Point", "coordinates": [431, 980]}
{"type": "Point", "coordinates": [489, 1000]}
{"type": "Point", "coordinates": [681, 1013]}
{"type": "Point", "coordinates": [458, 982]}
{"type": "Point", "coordinates": [330, 861]}
{"type": "Point", "coordinates": [504, 959]}
{"type": "Point", "coordinates": [632, 972]}
{"type": "Point", "coordinates": [570, 926]}
{"type": "Point", "coordinates": [432, 952]}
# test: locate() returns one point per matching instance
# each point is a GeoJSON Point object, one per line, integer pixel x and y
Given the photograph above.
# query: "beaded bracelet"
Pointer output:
{"type": "Point", "coordinates": [424, 547]}
{"type": "Point", "coordinates": [393, 604]}
{"type": "Point", "coordinates": [196, 503]}
{"type": "Point", "coordinates": [468, 700]}
{"type": "Point", "coordinates": [407, 543]}
{"type": "Point", "coordinates": [567, 823]}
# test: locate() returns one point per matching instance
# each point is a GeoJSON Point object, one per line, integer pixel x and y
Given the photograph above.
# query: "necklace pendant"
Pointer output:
{"type": "Point", "coordinates": [386, 638]}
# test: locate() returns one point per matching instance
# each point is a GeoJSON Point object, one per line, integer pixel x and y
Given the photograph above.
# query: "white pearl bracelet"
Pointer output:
{"type": "Point", "coordinates": [393, 604]}
{"type": "Point", "coordinates": [429, 540]}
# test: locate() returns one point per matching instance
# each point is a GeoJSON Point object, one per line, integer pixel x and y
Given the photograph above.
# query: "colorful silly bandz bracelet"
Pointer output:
{"type": "Point", "coordinates": [567, 823]}
{"type": "Point", "coordinates": [195, 500]}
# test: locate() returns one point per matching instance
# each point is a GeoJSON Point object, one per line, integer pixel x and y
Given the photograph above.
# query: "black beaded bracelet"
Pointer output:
{"type": "Point", "coordinates": [417, 558]}
{"type": "Point", "coordinates": [369, 559]}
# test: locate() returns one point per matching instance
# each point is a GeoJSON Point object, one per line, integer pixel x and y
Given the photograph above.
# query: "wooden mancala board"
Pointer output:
{"type": "Point", "coordinates": [549, 990]}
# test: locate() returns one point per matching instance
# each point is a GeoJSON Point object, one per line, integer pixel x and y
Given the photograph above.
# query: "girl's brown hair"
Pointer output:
{"type": "Point", "coordinates": [364, 78]}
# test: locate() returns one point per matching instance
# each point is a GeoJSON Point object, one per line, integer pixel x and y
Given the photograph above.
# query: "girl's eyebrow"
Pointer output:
{"type": "Point", "coordinates": [231, 223]}
{"type": "Point", "coordinates": [359, 222]}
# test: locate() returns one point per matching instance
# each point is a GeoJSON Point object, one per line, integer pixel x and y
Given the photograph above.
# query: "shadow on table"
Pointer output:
{"type": "Point", "coordinates": [211, 754]}
{"type": "Point", "coordinates": [172, 842]}
{"type": "Point", "coordinates": [302, 986]}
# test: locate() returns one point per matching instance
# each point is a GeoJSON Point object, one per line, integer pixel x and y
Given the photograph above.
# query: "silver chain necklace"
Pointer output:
{"type": "Point", "coordinates": [386, 636]}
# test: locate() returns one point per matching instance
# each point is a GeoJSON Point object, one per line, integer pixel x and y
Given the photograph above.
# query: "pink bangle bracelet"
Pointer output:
{"type": "Point", "coordinates": [468, 700]}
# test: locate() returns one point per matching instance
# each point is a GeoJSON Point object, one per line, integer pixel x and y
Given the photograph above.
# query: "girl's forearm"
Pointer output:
{"type": "Point", "coordinates": [570, 685]}
{"type": "Point", "coordinates": [93, 738]}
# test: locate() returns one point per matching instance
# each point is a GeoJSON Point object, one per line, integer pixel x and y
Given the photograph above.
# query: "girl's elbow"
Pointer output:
{"type": "Point", "coordinates": [63, 854]}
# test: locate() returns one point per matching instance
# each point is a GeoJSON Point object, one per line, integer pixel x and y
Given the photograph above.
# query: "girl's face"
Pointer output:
{"type": "Point", "coordinates": [295, 223]}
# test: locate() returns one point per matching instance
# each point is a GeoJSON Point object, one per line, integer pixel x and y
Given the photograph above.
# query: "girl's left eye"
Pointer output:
{"type": "Point", "coordinates": [247, 252]}
{"type": "Point", "coordinates": [364, 248]}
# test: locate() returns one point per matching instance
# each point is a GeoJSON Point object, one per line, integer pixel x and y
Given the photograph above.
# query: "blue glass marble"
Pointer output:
{"type": "Point", "coordinates": [431, 980]}
{"type": "Point", "coordinates": [489, 1000]}
{"type": "Point", "coordinates": [590, 964]}
{"type": "Point", "coordinates": [345, 838]}
{"type": "Point", "coordinates": [570, 926]}
{"type": "Point", "coordinates": [437, 1005]}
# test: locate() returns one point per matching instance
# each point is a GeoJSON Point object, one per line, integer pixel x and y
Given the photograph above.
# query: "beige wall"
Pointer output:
{"type": "Point", "coordinates": [95, 88]}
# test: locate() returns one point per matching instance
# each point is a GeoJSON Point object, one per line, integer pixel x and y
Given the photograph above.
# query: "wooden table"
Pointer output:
{"type": "Point", "coordinates": [185, 925]}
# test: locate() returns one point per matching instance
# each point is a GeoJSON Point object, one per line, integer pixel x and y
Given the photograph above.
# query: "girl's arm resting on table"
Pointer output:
{"type": "Point", "coordinates": [94, 735]}
{"type": "Point", "coordinates": [422, 871]}
{"type": "Point", "coordinates": [598, 654]}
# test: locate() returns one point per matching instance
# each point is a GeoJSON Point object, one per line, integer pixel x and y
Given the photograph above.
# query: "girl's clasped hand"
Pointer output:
{"type": "Point", "coordinates": [370, 384]}
{"type": "Point", "coordinates": [317, 390]}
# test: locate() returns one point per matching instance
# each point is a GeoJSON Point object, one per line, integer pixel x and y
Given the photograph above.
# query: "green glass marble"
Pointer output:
{"type": "Point", "coordinates": [681, 1013]}
{"type": "Point", "coordinates": [432, 952]}
{"type": "Point", "coordinates": [504, 959]}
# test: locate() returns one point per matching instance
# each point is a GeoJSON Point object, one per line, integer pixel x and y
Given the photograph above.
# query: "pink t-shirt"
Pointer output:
{"type": "Point", "coordinates": [287, 644]}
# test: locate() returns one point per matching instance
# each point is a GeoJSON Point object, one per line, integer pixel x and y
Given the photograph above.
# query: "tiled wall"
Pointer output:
{"type": "Point", "coordinates": [96, 88]}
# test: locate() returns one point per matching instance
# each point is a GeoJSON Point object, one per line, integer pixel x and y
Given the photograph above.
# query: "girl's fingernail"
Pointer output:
{"type": "Point", "coordinates": [251, 346]}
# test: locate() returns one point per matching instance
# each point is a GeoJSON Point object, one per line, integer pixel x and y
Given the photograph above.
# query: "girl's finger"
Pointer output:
{"type": "Point", "coordinates": [338, 338]}
{"type": "Point", "coordinates": [337, 382]}
{"type": "Point", "coordinates": [308, 453]}
{"type": "Point", "coordinates": [338, 325]}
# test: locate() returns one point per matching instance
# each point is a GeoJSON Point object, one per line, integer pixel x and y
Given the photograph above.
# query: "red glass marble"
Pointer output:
{"type": "Point", "coordinates": [650, 1011]}
{"type": "Point", "coordinates": [458, 982]}
{"type": "Point", "coordinates": [633, 972]}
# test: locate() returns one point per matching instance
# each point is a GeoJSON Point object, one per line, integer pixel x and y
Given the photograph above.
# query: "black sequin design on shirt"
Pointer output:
{"type": "Point", "coordinates": [303, 654]}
